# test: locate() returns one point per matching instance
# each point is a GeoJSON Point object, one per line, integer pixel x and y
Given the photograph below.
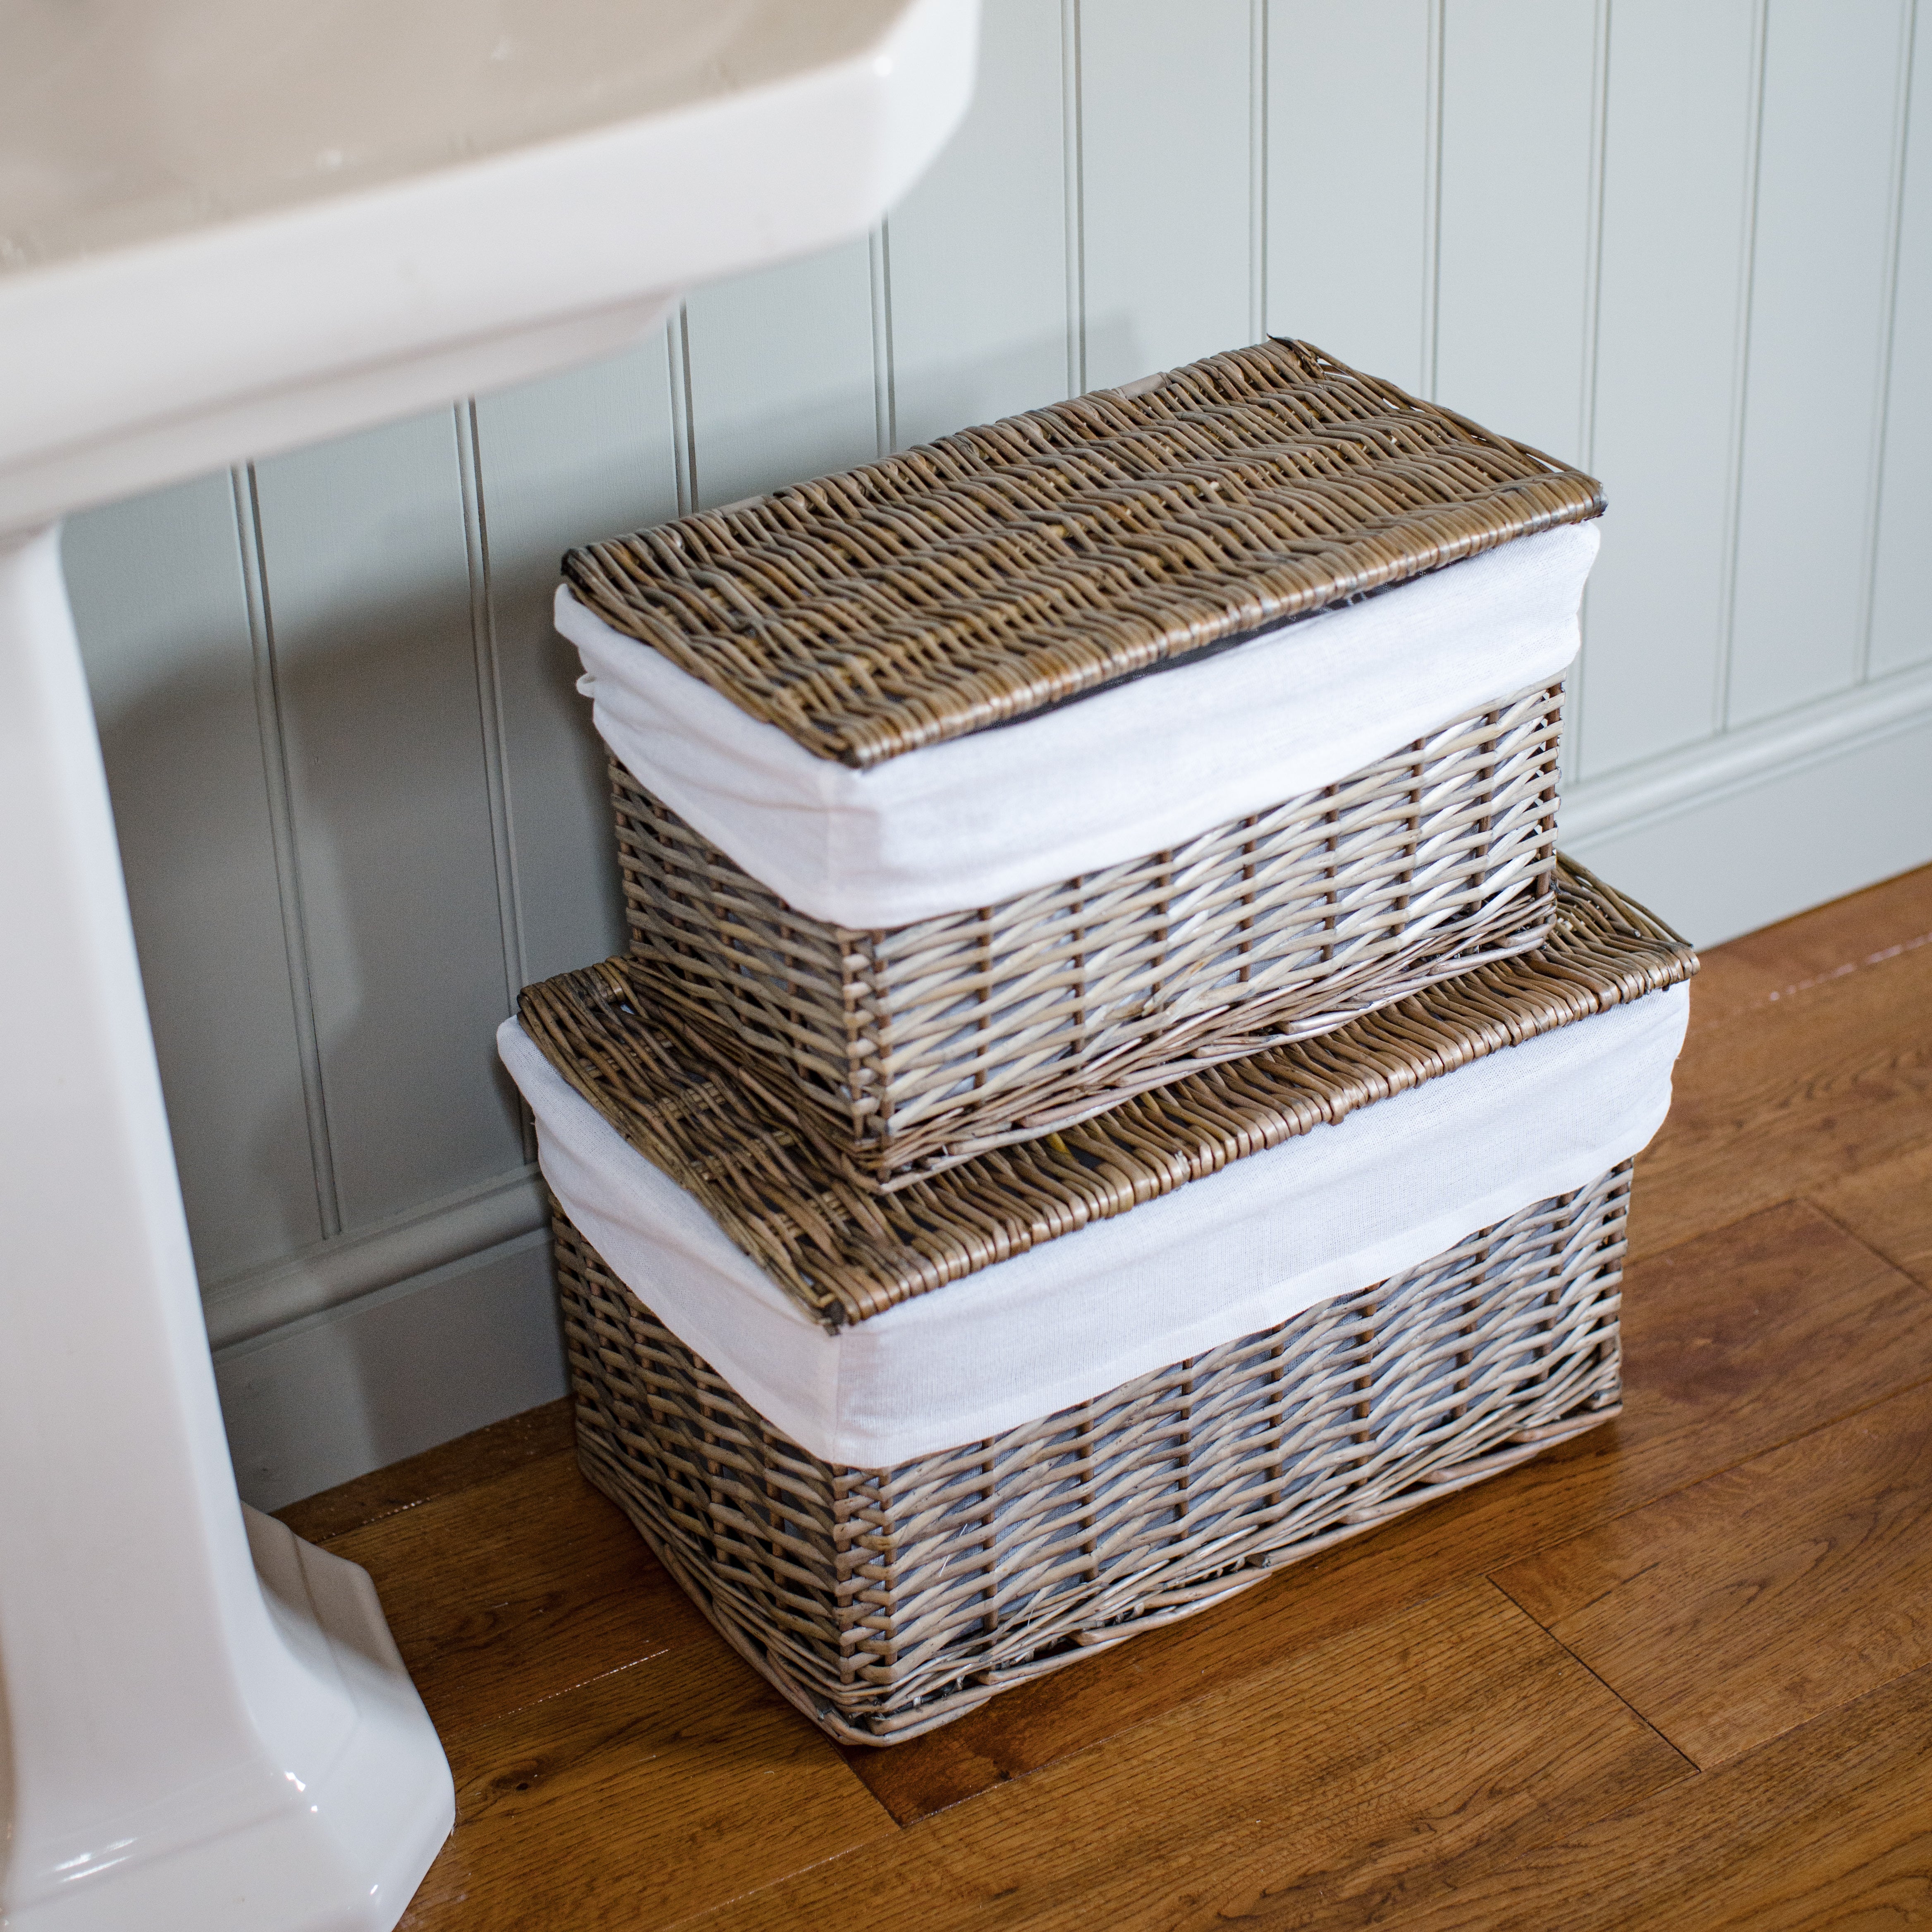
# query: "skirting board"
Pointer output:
{"type": "Point", "coordinates": [334, 1395]}
{"type": "Point", "coordinates": [1741, 831]}
{"type": "Point", "coordinates": [443, 1321]}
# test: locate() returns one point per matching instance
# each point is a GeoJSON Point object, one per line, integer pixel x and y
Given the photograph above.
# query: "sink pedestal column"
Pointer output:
{"type": "Point", "coordinates": [204, 1724]}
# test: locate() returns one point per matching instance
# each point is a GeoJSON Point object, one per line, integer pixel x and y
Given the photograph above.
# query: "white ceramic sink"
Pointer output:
{"type": "Point", "coordinates": [226, 227]}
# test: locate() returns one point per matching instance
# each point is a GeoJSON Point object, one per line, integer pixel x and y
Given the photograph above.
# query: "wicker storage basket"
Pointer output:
{"type": "Point", "coordinates": [845, 1254]}
{"type": "Point", "coordinates": [917, 1048]}
{"type": "Point", "coordinates": [987, 580]}
{"type": "Point", "coordinates": [882, 1602]}
{"type": "Point", "coordinates": [885, 1600]}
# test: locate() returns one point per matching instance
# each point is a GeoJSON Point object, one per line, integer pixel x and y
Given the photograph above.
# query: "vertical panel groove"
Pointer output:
{"type": "Point", "coordinates": [1076, 209]}
{"type": "Point", "coordinates": [281, 830]}
{"type": "Point", "coordinates": [684, 433]}
{"type": "Point", "coordinates": [885, 404]}
{"type": "Point", "coordinates": [1887, 327]}
{"type": "Point", "coordinates": [1432, 193]}
{"type": "Point", "coordinates": [490, 722]}
{"type": "Point", "coordinates": [1258, 169]}
{"type": "Point", "coordinates": [1741, 391]}
{"type": "Point", "coordinates": [1593, 304]}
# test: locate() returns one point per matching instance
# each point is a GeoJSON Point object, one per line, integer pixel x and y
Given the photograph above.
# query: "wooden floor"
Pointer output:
{"type": "Point", "coordinates": [1676, 1673]}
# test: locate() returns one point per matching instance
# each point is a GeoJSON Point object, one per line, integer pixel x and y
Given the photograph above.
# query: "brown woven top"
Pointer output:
{"type": "Point", "coordinates": [846, 1252]}
{"type": "Point", "coordinates": [1005, 569]}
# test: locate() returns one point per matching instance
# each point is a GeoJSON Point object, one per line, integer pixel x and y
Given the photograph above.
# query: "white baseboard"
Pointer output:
{"type": "Point", "coordinates": [335, 1394]}
{"type": "Point", "coordinates": [1735, 833]}
{"type": "Point", "coordinates": [361, 1351]}
{"type": "Point", "coordinates": [249, 1302]}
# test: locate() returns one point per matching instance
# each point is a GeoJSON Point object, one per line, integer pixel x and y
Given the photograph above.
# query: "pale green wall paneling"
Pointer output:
{"type": "Point", "coordinates": [783, 377]}
{"type": "Point", "coordinates": [1166, 124]}
{"type": "Point", "coordinates": [1349, 172]}
{"type": "Point", "coordinates": [1818, 310]}
{"type": "Point", "coordinates": [1684, 81]}
{"type": "Point", "coordinates": [1901, 619]}
{"type": "Point", "coordinates": [369, 601]}
{"type": "Point", "coordinates": [161, 606]}
{"type": "Point", "coordinates": [585, 454]}
{"type": "Point", "coordinates": [358, 796]}
{"type": "Point", "coordinates": [979, 248]}
{"type": "Point", "coordinates": [1517, 225]}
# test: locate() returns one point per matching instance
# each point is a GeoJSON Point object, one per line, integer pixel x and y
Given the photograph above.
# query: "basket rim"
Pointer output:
{"type": "Point", "coordinates": [845, 1252]}
{"type": "Point", "coordinates": [1007, 569]}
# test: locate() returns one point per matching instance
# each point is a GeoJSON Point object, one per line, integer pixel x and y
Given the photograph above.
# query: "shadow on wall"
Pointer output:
{"type": "Point", "coordinates": [386, 892]}
{"type": "Point", "coordinates": [934, 399]}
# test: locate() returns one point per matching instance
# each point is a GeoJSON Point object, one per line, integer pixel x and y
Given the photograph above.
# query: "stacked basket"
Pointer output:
{"type": "Point", "coordinates": [1112, 1087]}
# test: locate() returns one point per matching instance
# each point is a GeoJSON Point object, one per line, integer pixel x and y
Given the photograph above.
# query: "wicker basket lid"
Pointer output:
{"type": "Point", "coordinates": [846, 1253]}
{"type": "Point", "coordinates": [989, 576]}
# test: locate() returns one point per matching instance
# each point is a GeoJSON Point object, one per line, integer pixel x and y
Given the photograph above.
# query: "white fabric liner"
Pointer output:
{"type": "Point", "coordinates": [1238, 1252]}
{"type": "Point", "coordinates": [1137, 768]}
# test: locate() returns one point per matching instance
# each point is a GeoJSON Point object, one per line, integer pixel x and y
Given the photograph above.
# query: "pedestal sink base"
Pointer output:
{"type": "Point", "coordinates": [204, 1726]}
{"type": "Point", "coordinates": [342, 1853]}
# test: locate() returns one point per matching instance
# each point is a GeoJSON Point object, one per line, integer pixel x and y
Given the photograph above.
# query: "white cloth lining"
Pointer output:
{"type": "Point", "coordinates": [1236, 1252]}
{"type": "Point", "coordinates": [1141, 767]}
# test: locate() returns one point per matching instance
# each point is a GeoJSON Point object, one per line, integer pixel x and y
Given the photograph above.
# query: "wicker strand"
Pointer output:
{"type": "Point", "coordinates": [1007, 569]}
{"type": "Point", "coordinates": [883, 1602]}
{"type": "Point", "coordinates": [846, 1253]}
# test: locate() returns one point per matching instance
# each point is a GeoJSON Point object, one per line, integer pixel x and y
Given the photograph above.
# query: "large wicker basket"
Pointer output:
{"type": "Point", "coordinates": [884, 1602]}
{"type": "Point", "coordinates": [996, 575]}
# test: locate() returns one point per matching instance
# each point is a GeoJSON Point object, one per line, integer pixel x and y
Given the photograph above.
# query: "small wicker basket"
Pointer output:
{"type": "Point", "coordinates": [917, 1048]}
{"type": "Point", "coordinates": [1001, 573]}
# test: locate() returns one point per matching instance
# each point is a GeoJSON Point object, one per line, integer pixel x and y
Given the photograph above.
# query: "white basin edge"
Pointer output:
{"type": "Point", "coordinates": [156, 362]}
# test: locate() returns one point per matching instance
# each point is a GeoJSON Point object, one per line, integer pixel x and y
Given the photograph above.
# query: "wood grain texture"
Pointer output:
{"type": "Point", "coordinates": [1808, 1091]}
{"type": "Point", "coordinates": [1762, 1597]}
{"type": "Point", "coordinates": [651, 1794]}
{"type": "Point", "coordinates": [1450, 1734]}
{"type": "Point", "coordinates": [517, 1589]}
{"type": "Point", "coordinates": [1889, 1208]}
{"type": "Point", "coordinates": [1797, 955]}
{"type": "Point", "coordinates": [1734, 1343]}
{"type": "Point", "coordinates": [1829, 1825]}
{"type": "Point", "coordinates": [478, 1457]}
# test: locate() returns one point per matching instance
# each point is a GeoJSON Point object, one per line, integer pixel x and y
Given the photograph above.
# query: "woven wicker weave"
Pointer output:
{"type": "Point", "coordinates": [882, 1602]}
{"type": "Point", "coordinates": [1005, 569]}
{"type": "Point", "coordinates": [920, 1047]}
{"type": "Point", "coordinates": [846, 1252]}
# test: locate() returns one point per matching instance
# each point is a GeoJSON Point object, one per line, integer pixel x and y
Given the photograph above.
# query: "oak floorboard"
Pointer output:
{"type": "Point", "coordinates": [653, 1793]}
{"type": "Point", "coordinates": [1734, 1343]}
{"type": "Point", "coordinates": [1761, 1598]}
{"type": "Point", "coordinates": [1448, 1736]}
{"type": "Point", "coordinates": [1830, 1824]}
{"type": "Point", "coordinates": [518, 1589]}
{"type": "Point", "coordinates": [1780, 962]}
{"type": "Point", "coordinates": [478, 1457]}
{"type": "Point", "coordinates": [1789, 1099]}
{"type": "Point", "coordinates": [1889, 1208]}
